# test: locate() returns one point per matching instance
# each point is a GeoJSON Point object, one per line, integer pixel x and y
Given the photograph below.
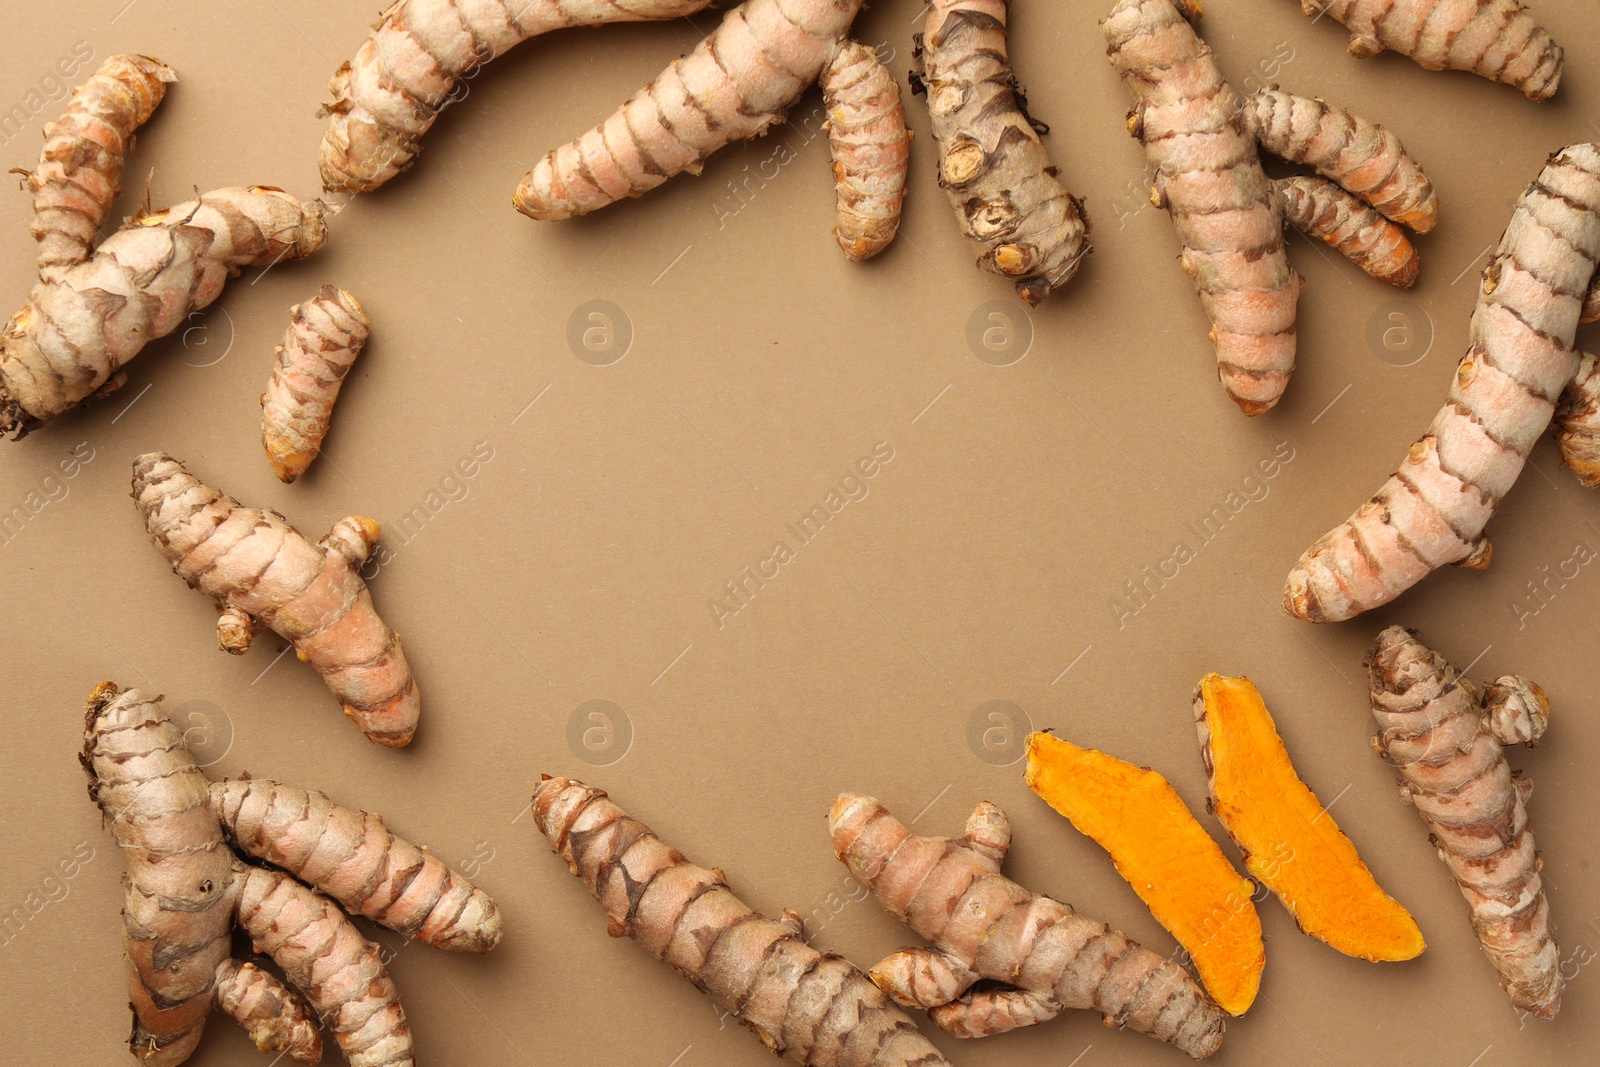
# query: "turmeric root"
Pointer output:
{"type": "Point", "coordinates": [1320, 209]}
{"type": "Point", "coordinates": [325, 336]}
{"type": "Point", "coordinates": [1577, 422]}
{"type": "Point", "coordinates": [1289, 841]}
{"type": "Point", "coordinates": [1200, 136]}
{"type": "Point", "coordinates": [983, 926]}
{"type": "Point", "coordinates": [732, 86]}
{"type": "Point", "coordinates": [808, 1006]}
{"type": "Point", "coordinates": [1159, 847]}
{"type": "Point", "coordinates": [992, 164]}
{"type": "Point", "coordinates": [414, 65]}
{"type": "Point", "coordinates": [275, 1019]}
{"type": "Point", "coordinates": [870, 145]}
{"type": "Point", "coordinates": [1495, 39]}
{"type": "Point", "coordinates": [1505, 392]}
{"type": "Point", "coordinates": [258, 567]}
{"type": "Point", "coordinates": [1445, 738]}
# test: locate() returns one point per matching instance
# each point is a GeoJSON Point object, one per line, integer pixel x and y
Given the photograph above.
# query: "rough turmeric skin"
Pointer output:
{"type": "Point", "coordinates": [808, 1006]}
{"type": "Point", "coordinates": [76, 181]}
{"type": "Point", "coordinates": [1445, 739]}
{"type": "Point", "coordinates": [1577, 422]}
{"type": "Point", "coordinates": [416, 61]}
{"type": "Point", "coordinates": [325, 336]}
{"type": "Point", "coordinates": [1165, 855]}
{"type": "Point", "coordinates": [870, 145]}
{"type": "Point", "coordinates": [1320, 209]}
{"type": "Point", "coordinates": [275, 1019]}
{"type": "Point", "coordinates": [352, 857]}
{"type": "Point", "coordinates": [255, 565]}
{"type": "Point", "coordinates": [984, 926]}
{"type": "Point", "coordinates": [992, 163]}
{"type": "Point", "coordinates": [1496, 39]}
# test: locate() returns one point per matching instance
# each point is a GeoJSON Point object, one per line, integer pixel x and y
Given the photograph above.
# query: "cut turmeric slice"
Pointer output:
{"type": "Point", "coordinates": [1166, 856]}
{"type": "Point", "coordinates": [1289, 841]}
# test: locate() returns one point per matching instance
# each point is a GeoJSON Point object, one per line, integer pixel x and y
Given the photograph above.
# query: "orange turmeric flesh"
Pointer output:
{"type": "Point", "coordinates": [1166, 856]}
{"type": "Point", "coordinates": [1289, 841]}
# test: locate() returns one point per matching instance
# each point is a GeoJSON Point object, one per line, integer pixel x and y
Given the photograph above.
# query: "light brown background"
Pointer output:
{"type": "Point", "coordinates": [580, 564]}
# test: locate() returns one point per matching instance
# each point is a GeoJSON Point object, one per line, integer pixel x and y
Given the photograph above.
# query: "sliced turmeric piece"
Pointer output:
{"type": "Point", "coordinates": [1289, 841]}
{"type": "Point", "coordinates": [1166, 856]}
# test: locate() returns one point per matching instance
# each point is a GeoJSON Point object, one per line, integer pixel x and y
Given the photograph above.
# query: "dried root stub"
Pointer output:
{"type": "Point", "coordinates": [1495, 39]}
{"type": "Point", "coordinates": [808, 1006]}
{"type": "Point", "coordinates": [1165, 855]}
{"type": "Point", "coordinates": [1035, 956]}
{"type": "Point", "coordinates": [992, 163]}
{"type": "Point", "coordinates": [1445, 738]}
{"type": "Point", "coordinates": [416, 61]}
{"type": "Point", "coordinates": [1203, 139]}
{"type": "Point", "coordinates": [1520, 371]}
{"type": "Point", "coordinates": [325, 336]}
{"type": "Point", "coordinates": [258, 568]}
{"type": "Point", "coordinates": [871, 148]}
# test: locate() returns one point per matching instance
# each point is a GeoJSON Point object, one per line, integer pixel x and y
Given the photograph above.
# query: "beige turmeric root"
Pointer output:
{"type": "Point", "coordinates": [992, 163]}
{"type": "Point", "coordinates": [76, 181]}
{"type": "Point", "coordinates": [984, 927]}
{"type": "Point", "coordinates": [258, 567]}
{"type": "Point", "coordinates": [353, 858]}
{"type": "Point", "coordinates": [870, 145]}
{"type": "Point", "coordinates": [1577, 422]}
{"type": "Point", "coordinates": [1445, 738]}
{"type": "Point", "coordinates": [1521, 358]}
{"type": "Point", "coordinates": [808, 1006]}
{"type": "Point", "coordinates": [734, 85]}
{"type": "Point", "coordinates": [416, 62]}
{"type": "Point", "coordinates": [1320, 209]}
{"type": "Point", "coordinates": [1495, 39]}
{"type": "Point", "coordinates": [1289, 841]}
{"type": "Point", "coordinates": [1160, 848]}
{"type": "Point", "coordinates": [325, 336]}
{"type": "Point", "coordinates": [275, 1019]}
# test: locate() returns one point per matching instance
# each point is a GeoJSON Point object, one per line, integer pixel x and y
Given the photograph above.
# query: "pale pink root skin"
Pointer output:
{"type": "Point", "coordinates": [1320, 209]}
{"type": "Point", "coordinates": [732, 86]}
{"type": "Point", "coordinates": [1577, 422]}
{"type": "Point", "coordinates": [321, 953]}
{"type": "Point", "coordinates": [253, 561]}
{"type": "Point", "coordinates": [353, 858]}
{"type": "Point", "coordinates": [1362, 157]}
{"type": "Point", "coordinates": [1496, 39]}
{"type": "Point", "coordinates": [1433, 511]}
{"type": "Point", "coordinates": [414, 64]}
{"type": "Point", "coordinates": [325, 336]}
{"type": "Point", "coordinates": [1209, 177]}
{"type": "Point", "coordinates": [983, 925]}
{"type": "Point", "coordinates": [811, 1007]}
{"type": "Point", "coordinates": [1434, 729]}
{"type": "Point", "coordinates": [871, 148]}
{"type": "Point", "coordinates": [276, 1019]}
{"type": "Point", "coordinates": [76, 180]}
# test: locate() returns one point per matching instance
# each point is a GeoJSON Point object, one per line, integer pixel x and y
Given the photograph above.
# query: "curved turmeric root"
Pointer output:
{"type": "Point", "coordinates": [275, 1019]}
{"type": "Point", "coordinates": [1320, 209]}
{"type": "Point", "coordinates": [256, 566]}
{"type": "Point", "coordinates": [325, 336]}
{"type": "Point", "coordinates": [807, 1006]}
{"type": "Point", "coordinates": [1494, 39]}
{"type": "Point", "coordinates": [982, 925]}
{"type": "Point", "coordinates": [1445, 738]}
{"type": "Point", "coordinates": [992, 164]}
{"type": "Point", "coordinates": [1289, 841]}
{"type": "Point", "coordinates": [1162, 852]}
{"type": "Point", "coordinates": [870, 145]}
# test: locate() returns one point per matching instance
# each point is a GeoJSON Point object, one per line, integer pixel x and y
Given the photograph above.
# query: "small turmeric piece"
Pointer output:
{"type": "Point", "coordinates": [1162, 852]}
{"type": "Point", "coordinates": [870, 145]}
{"type": "Point", "coordinates": [325, 336]}
{"type": "Point", "coordinates": [1289, 841]}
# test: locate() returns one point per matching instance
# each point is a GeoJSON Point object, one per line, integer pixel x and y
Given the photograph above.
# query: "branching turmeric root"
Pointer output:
{"type": "Point", "coordinates": [1160, 848]}
{"type": "Point", "coordinates": [1289, 841]}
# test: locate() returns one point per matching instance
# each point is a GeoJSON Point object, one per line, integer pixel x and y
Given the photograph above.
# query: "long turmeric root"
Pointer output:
{"type": "Point", "coordinates": [1289, 841]}
{"type": "Point", "coordinates": [1496, 39]}
{"type": "Point", "coordinates": [808, 1006]}
{"type": "Point", "coordinates": [1445, 738]}
{"type": "Point", "coordinates": [1165, 855]}
{"type": "Point", "coordinates": [985, 926]}
{"type": "Point", "coordinates": [413, 65]}
{"type": "Point", "coordinates": [1521, 358]}
{"type": "Point", "coordinates": [870, 145]}
{"type": "Point", "coordinates": [992, 164]}
{"type": "Point", "coordinates": [325, 336]}
{"type": "Point", "coordinates": [259, 568]}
